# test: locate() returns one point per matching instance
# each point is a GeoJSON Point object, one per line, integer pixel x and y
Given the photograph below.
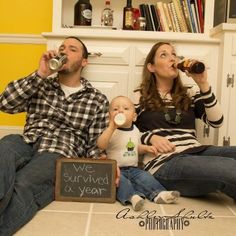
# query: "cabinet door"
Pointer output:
{"type": "Point", "coordinates": [227, 131]}
{"type": "Point", "coordinates": [111, 80]}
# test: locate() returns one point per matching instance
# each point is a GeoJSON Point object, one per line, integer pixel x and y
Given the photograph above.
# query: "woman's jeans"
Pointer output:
{"type": "Point", "coordinates": [211, 170]}
{"type": "Point", "coordinates": [136, 181]}
{"type": "Point", "coordinates": [26, 182]}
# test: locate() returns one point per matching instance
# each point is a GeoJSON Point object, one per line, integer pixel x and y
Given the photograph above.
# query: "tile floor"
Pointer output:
{"type": "Point", "coordinates": [214, 215]}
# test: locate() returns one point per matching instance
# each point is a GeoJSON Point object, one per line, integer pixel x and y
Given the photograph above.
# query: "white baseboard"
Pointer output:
{"type": "Point", "coordinates": [5, 130]}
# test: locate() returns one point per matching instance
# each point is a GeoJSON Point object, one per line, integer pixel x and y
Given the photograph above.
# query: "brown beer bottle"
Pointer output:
{"type": "Point", "coordinates": [128, 21]}
{"type": "Point", "coordinates": [196, 67]}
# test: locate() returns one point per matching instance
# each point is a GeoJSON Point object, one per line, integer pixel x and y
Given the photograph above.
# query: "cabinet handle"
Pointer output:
{"type": "Point", "coordinates": [95, 54]}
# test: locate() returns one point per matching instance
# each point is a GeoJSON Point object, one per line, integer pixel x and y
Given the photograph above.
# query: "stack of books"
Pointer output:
{"type": "Point", "coordinates": [174, 15]}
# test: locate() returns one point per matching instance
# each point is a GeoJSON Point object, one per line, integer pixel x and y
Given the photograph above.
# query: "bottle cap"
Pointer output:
{"type": "Point", "coordinates": [120, 119]}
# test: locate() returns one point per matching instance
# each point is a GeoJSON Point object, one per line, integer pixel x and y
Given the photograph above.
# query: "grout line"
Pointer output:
{"type": "Point", "coordinates": [61, 211]}
{"type": "Point", "coordinates": [230, 209]}
{"type": "Point", "coordinates": [89, 220]}
{"type": "Point", "coordinates": [164, 213]}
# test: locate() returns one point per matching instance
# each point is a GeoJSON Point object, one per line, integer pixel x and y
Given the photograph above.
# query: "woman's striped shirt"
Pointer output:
{"type": "Point", "coordinates": [183, 135]}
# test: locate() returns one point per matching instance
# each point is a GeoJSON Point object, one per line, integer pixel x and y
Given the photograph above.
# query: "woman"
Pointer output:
{"type": "Point", "coordinates": [166, 116]}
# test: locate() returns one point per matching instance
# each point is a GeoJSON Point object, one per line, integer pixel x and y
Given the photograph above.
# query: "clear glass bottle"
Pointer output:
{"type": "Point", "coordinates": [107, 14]}
{"type": "Point", "coordinates": [83, 13]}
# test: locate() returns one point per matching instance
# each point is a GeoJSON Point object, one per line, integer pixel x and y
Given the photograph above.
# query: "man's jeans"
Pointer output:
{"type": "Point", "coordinates": [211, 170]}
{"type": "Point", "coordinates": [136, 181]}
{"type": "Point", "coordinates": [26, 182]}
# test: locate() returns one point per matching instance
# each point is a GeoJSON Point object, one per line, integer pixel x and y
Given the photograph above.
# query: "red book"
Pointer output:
{"type": "Point", "coordinates": [201, 14]}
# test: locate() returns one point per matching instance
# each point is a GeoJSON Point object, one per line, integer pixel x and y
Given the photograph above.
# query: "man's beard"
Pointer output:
{"type": "Point", "coordinates": [74, 68]}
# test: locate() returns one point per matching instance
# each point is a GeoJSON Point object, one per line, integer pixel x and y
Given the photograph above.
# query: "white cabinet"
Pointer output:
{"type": "Point", "coordinates": [226, 79]}
{"type": "Point", "coordinates": [117, 56]}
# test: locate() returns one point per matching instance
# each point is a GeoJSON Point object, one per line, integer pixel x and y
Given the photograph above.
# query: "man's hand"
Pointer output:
{"type": "Point", "coordinates": [44, 71]}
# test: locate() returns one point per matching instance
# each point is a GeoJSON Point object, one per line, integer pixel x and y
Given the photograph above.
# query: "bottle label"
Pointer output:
{"type": "Point", "coordinates": [129, 18]}
{"type": "Point", "coordinates": [87, 14]}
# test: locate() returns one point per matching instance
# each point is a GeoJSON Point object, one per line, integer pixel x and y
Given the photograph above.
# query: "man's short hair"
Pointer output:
{"type": "Point", "coordinates": [85, 50]}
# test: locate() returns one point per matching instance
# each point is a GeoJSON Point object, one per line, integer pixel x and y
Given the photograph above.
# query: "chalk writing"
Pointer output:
{"type": "Point", "coordinates": [85, 180]}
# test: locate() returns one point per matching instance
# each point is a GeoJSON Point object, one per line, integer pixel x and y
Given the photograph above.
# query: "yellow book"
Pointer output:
{"type": "Point", "coordinates": [162, 16]}
{"type": "Point", "coordinates": [168, 17]}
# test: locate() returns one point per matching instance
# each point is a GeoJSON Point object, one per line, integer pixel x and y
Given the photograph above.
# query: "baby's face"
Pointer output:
{"type": "Point", "coordinates": [125, 106]}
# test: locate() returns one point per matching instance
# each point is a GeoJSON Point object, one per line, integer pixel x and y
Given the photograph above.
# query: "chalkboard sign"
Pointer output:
{"type": "Point", "coordinates": [88, 180]}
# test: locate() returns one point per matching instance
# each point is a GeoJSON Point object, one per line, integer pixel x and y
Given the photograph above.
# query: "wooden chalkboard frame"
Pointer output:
{"type": "Point", "coordinates": [88, 166]}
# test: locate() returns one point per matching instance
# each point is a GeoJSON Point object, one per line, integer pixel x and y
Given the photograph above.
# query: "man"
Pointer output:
{"type": "Point", "coordinates": [65, 115]}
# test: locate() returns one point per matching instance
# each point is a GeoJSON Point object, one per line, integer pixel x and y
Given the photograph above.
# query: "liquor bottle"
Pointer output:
{"type": "Point", "coordinates": [107, 14]}
{"type": "Point", "coordinates": [196, 67]}
{"type": "Point", "coordinates": [128, 21]}
{"type": "Point", "coordinates": [83, 13]}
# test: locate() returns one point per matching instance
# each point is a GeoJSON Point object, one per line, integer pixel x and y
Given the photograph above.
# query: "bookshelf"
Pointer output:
{"type": "Point", "coordinates": [63, 13]}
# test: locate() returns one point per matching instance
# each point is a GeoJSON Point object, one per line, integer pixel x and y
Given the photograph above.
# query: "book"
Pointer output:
{"type": "Point", "coordinates": [162, 16]}
{"type": "Point", "coordinates": [194, 16]}
{"type": "Point", "coordinates": [191, 16]}
{"type": "Point", "coordinates": [180, 16]}
{"type": "Point", "coordinates": [201, 8]}
{"type": "Point", "coordinates": [145, 13]}
{"type": "Point", "coordinates": [176, 20]}
{"type": "Point", "coordinates": [197, 15]}
{"type": "Point", "coordinates": [168, 18]}
{"type": "Point", "coordinates": [155, 18]}
{"type": "Point", "coordinates": [172, 17]}
{"type": "Point", "coordinates": [151, 17]}
{"type": "Point", "coordinates": [186, 15]}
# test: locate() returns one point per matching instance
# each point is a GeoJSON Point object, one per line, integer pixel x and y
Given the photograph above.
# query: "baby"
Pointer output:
{"type": "Point", "coordinates": [121, 142]}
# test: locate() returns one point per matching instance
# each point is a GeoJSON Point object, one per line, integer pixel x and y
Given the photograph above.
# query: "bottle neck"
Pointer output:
{"type": "Point", "coordinates": [84, 1]}
{"type": "Point", "coordinates": [107, 3]}
{"type": "Point", "coordinates": [129, 3]}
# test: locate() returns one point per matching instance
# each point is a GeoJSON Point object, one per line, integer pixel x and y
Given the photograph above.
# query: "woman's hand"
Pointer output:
{"type": "Point", "coordinates": [163, 145]}
{"type": "Point", "coordinates": [201, 80]}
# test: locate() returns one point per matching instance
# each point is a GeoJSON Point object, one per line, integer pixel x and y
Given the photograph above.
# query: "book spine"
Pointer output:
{"type": "Point", "coordinates": [155, 17]}
{"type": "Point", "coordinates": [197, 15]}
{"type": "Point", "coordinates": [176, 20]}
{"type": "Point", "coordinates": [162, 16]}
{"type": "Point", "coordinates": [191, 16]}
{"type": "Point", "coordinates": [201, 14]}
{"type": "Point", "coordinates": [172, 17]}
{"type": "Point", "coordinates": [180, 16]}
{"type": "Point", "coordinates": [151, 17]}
{"type": "Point", "coordinates": [186, 15]}
{"type": "Point", "coordinates": [194, 17]}
{"type": "Point", "coordinates": [168, 18]}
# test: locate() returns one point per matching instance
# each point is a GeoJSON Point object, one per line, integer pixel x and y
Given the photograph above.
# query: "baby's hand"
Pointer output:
{"type": "Point", "coordinates": [152, 150]}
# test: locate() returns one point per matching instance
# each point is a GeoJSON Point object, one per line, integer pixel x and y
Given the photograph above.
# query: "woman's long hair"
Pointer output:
{"type": "Point", "coordinates": [149, 96]}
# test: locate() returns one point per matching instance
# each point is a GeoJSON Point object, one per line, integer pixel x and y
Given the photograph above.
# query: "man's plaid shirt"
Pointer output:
{"type": "Point", "coordinates": [66, 125]}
